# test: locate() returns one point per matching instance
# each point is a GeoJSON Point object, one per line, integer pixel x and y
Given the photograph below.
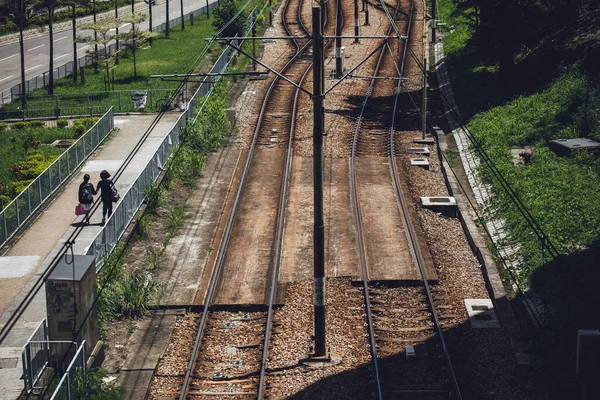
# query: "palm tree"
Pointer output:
{"type": "Point", "coordinates": [49, 6]}
{"type": "Point", "coordinates": [16, 12]}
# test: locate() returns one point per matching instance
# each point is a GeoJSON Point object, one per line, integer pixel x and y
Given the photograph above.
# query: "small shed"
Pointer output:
{"type": "Point", "coordinates": [566, 147]}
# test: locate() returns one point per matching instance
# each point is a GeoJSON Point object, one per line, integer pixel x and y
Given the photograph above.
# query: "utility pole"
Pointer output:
{"type": "Point", "coordinates": [366, 12]}
{"type": "Point", "coordinates": [270, 13]}
{"type": "Point", "coordinates": [319, 229]}
{"type": "Point", "coordinates": [356, 20]}
{"type": "Point", "coordinates": [424, 106]}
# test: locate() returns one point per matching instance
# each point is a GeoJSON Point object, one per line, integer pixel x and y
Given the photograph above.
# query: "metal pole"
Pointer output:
{"type": "Point", "coordinates": [424, 106]}
{"type": "Point", "coordinates": [167, 19]}
{"type": "Point", "coordinates": [182, 16]}
{"type": "Point", "coordinates": [319, 230]}
{"type": "Point", "coordinates": [338, 43]}
{"type": "Point", "coordinates": [366, 12]}
{"type": "Point", "coordinates": [150, 20]}
{"type": "Point", "coordinates": [254, 47]}
{"type": "Point", "coordinates": [270, 13]}
{"type": "Point", "coordinates": [356, 21]}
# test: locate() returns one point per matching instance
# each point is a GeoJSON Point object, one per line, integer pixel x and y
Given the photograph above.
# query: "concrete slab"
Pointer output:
{"type": "Point", "coordinates": [481, 313]}
{"type": "Point", "coordinates": [420, 162]}
{"type": "Point", "coordinates": [17, 266]}
{"type": "Point", "coordinates": [417, 150]}
{"type": "Point", "coordinates": [99, 165]}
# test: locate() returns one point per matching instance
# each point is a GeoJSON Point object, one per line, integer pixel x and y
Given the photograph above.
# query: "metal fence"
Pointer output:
{"type": "Point", "coordinates": [66, 387]}
{"type": "Point", "coordinates": [106, 240]}
{"type": "Point", "coordinates": [18, 211]}
{"type": "Point", "coordinates": [36, 355]}
{"type": "Point", "coordinates": [92, 103]}
{"type": "Point", "coordinates": [14, 94]}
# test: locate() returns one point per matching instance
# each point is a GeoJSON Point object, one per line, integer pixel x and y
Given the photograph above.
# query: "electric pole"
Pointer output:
{"type": "Point", "coordinates": [319, 229]}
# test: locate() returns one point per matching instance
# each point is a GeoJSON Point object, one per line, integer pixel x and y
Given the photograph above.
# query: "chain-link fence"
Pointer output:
{"type": "Point", "coordinates": [14, 94]}
{"type": "Point", "coordinates": [75, 371]}
{"type": "Point", "coordinates": [107, 239]}
{"type": "Point", "coordinates": [18, 211]}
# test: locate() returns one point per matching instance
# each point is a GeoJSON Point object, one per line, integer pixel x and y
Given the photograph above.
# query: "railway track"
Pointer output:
{"type": "Point", "coordinates": [409, 354]}
{"type": "Point", "coordinates": [230, 352]}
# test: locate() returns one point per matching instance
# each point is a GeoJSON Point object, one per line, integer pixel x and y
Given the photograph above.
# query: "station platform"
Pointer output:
{"type": "Point", "coordinates": [22, 262]}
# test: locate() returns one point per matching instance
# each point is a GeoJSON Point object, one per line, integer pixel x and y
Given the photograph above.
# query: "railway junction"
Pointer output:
{"type": "Point", "coordinates": [408, 303]}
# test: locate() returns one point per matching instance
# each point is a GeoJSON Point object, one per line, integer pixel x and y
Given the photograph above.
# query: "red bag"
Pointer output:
{"type": "Point", "coordinates": [80, 210]}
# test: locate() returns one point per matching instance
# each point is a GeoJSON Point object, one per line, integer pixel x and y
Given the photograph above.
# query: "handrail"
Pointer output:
{"type": "Point", "coordinates": [41, 188]}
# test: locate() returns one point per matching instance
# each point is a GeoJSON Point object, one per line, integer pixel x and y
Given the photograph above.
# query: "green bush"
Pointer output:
{"type": "Point", "coordinates": [143, 226]}
{"type": "Point", "coordinates": [37, 124]}
{"type": "Point", "coordinates": [89, 122]}
{"type": "Point", "coordinates": [79, 127]}
{"type": "Point", "coordinates": [3, 126]}
{"type": "Point", "coordinates": [156, 197]}
{"type": "Point", "coordinates": [20, 125]}
{"type": "Point", "coordinates": [62, 123]}
{"type": "Point", "coordinates": [137, 292]}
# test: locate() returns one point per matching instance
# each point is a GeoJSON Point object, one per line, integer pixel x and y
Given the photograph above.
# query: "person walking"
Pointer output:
{"type": "Point", "coordinates": [86, 197]}
{"type": "Point", "coordinates": [106, 187]}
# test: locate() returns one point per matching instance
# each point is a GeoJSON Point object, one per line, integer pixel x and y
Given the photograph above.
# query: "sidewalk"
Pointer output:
{"type": "Point", "coordinates": [32, 252]}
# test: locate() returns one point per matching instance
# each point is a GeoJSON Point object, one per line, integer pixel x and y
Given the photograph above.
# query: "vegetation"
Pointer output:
{"type": "Point", "coordinates": [224, 13]}
{"type": "Point", "coordinates": [524, 89]}
{"type": "Point", "coordinates": [91, 386]}
{"type": "Point", "coordinates": [24, 154]}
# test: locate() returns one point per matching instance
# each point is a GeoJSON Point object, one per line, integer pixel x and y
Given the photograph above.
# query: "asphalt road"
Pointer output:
{"type": "Point", "coordinates": [37, 49]}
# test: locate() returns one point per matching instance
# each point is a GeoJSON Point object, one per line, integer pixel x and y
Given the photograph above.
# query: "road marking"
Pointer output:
{"type": "Point", "coordinates": [124, 25]}
{"type": "Point", "coordinates": [34, 67]}
{"type": "Point", "coordinates": [14, 55]}
{"type": "Point", "coordinates": [64, 55]}
{"type": "Point", "coordinates": [84, 47]}
{"type": "Point", "coordinates": [36, 47]}
{"type": "Point", "coordinates": [8, 77]}
{"type": "Point", "coordinates": [64, 37]}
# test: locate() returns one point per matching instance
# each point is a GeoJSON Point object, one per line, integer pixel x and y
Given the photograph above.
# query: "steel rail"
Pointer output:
{"type": "Point", "coordinates": [281, 216]}
{"type": "Point", "coordinates": [357, 218]}
{"type": "Point", "coordinates": [218, 270]}
{"type": "Point", "coordinates": [411, 234]}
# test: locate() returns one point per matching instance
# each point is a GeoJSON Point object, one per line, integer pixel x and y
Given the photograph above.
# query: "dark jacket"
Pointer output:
{"type": "Point", "coordinates": [86, 193]}
{"type": "Point", "coordinates": [104, 186]}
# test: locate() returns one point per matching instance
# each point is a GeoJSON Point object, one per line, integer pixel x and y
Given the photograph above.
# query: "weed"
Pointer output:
{"type": "Point", "coordinates": [137, 291]}
{"type": "Point", "coordinates": [176, 217]}
{"type": "Point", "coordinates": [153, 257]}
{"type": "Point", "coordinates": [143, 226]}
{"type": "Point", "coordinates": [452, 156]}
{"type": "Point", "coordinates": [156, 196]}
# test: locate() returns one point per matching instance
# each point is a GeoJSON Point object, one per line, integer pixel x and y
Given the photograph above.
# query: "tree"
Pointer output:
{"type": "Point", "coordinates": [17, 12]}
{"type": "Point", "coordinates": [136, 39]}
{"type": "Point", "coordinates": [224, 13]}
{"type": "Point", "coordinates": [48, 6]}
{"type": "Point", "coordinates": [102, 38]}
{"type": "Point", "coordinates": [73, 4]}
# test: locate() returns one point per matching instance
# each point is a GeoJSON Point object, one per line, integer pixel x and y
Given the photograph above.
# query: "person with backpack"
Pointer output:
{"type": "Point", "coordinates": [108, 194]}
{"type": "Point", "coordinates": [86, 197]}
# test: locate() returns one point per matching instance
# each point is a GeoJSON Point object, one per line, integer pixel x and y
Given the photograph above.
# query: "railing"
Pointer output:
{"type": "Point", "coordinates": [18, 211]}
{"type": "Point", "coordinates": [106, 240]}
{"type": "Point", "coordinates": [13, 94]}
{"type": "Point", "coordinates": [66, 387]}
{"type": "Point", "coordinates": [92, 103]}
{"type": "Point", "coordinates": [36, 356]}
